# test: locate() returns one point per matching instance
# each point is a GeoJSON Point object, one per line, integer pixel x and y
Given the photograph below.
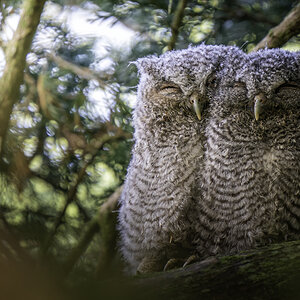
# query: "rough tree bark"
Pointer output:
{"type": "Point", "coordinates": [16, 52]}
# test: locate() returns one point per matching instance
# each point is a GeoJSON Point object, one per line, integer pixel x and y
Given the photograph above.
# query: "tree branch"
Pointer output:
{"type": "Point", "coordinates": [82, 72]}
{"type": "Point", "coordinates": [103, 222]}
{"type": "Point", "coordinates": [280, 34]}
{"type": "Point", "coordinates": [16, 52]}
{"type": "Point", "coordinates": [108, 221]}
{"type": "Point", "coordinates": [119, 135]}
{"type": "Point", "coordinates": [271, 272]}
{"type": "Point", "coordinates": [178, 16]}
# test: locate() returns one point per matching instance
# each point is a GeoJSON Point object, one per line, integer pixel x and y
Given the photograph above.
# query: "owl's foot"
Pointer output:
{"type": "Point", "coordinates": [174, 263]}
{"type": "Point", "coordinates": [150, 265]}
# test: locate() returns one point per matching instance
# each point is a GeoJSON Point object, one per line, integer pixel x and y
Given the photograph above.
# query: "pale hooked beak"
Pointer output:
{"type": "Point", "coordinates": [196, 105]}
{"type": "Point", "coordinates": [258, 100]}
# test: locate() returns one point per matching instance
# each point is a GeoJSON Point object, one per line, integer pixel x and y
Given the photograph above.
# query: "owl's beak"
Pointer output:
{"type": "Point", "coordinates": [196, 105]}
{"type": "Point", "coordinates": [258, 100]}
{"type": "Point", "coordinates": [197, 108]}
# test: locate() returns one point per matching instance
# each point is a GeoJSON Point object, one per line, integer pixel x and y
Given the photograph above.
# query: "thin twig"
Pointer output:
{"type": "Point", "coordinates": [72, 192]}
{"type": "Point", "coordinates": [178, 16]}
{"type": "Point", "coordinates": [82, 72]}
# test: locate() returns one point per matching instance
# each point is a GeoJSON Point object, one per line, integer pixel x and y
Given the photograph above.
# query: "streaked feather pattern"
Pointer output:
{"type": "Point", "coordinates": [221, 184]}
{"type": "Point", "coordinates": [250, 178]}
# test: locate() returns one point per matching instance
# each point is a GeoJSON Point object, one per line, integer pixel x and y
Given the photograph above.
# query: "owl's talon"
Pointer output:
{"type": "Point", "coordinates": [193, 258]}
{"type": "Point", "coordinates": [171, 264]}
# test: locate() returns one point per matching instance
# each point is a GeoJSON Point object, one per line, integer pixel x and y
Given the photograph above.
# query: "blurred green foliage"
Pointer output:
{"type": "Point", "coordinates": [72, 129]}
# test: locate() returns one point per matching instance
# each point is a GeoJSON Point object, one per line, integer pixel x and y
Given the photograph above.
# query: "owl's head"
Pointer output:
{"type": "Point", "coordinates": [181, 83]}
{"type": "Point", "coordinates": [274, 83]}
{"type": "Point", "coordinates": [263, 94]}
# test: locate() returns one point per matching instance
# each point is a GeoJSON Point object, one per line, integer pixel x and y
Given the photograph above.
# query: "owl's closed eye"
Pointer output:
{"type": "Point", "coordinates": [168, 89]}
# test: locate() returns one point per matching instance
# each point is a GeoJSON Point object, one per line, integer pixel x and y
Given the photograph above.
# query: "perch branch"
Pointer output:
{"type": "Point", "coordinates": [270, 272]}
{"type": "Point", "coordinates": [279, 35]}
{"type": "Point", "coordinates": [178, 16]}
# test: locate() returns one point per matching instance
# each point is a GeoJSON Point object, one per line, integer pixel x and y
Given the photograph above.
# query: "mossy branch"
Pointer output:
{"type": "Point", "coordinates": [270, 272]}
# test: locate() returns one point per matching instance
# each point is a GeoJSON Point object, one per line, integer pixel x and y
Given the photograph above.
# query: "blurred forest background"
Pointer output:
{"type": "Point", "coordinates": [66, 137]}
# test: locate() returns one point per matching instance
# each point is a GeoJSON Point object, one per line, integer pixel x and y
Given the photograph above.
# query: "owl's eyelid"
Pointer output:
{"type": "Point", "coordinates": [291, 84]}
{"type": "Point", "coordinates": [169, 85]}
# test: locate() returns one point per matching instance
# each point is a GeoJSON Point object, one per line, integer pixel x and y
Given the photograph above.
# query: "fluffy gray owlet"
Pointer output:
{"type": "Point", "coordinates": [250, 181]}
{"type": "Point", "coordinates": [157, 211]}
